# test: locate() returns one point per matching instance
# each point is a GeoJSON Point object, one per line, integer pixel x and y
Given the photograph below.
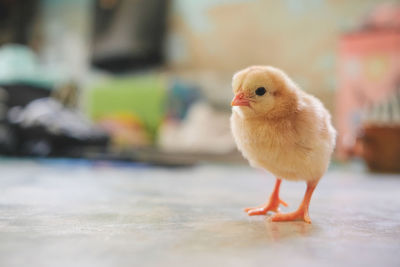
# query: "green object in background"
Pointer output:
{"type": "Point", "coordinates": [142, 96]}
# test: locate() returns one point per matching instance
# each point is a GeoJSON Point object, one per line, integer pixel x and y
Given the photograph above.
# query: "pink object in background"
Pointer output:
{"type": "Point", "coordinates": [384, 16]}
{"type": "Point", "coordinates": [369, 72]}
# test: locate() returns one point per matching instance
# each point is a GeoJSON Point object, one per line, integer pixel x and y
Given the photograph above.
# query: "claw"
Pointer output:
{"type": "Point", "coordinates": [256, 211]}
{"type": "Point", "coordinates": [273, 206]}
{"type": "Point", "coordinates": [298, 215]}
{"type": "Point", "coordinates": [302, 213]}
{"type": "Point", "coordinates": [283, 203]}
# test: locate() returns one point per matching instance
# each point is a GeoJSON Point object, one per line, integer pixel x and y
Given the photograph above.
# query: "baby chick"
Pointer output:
{"type": "Point", "coordinates": [280, 128]}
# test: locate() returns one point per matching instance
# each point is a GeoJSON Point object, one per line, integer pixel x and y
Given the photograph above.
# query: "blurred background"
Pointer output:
{"type": "Point", "coordinates": [115, 144]}
{"type": "Point", "coordinates": [149, 80]}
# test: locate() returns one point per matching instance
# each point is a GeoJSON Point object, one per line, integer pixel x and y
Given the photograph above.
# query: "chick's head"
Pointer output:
{"type": "Point", "coordinates": [263, 91]}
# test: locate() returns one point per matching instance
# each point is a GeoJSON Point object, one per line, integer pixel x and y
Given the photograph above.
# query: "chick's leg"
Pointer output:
{"type": "Point", "coordinates": [301, 214]}
{"type": "Point", "coordinates": [271, 205]}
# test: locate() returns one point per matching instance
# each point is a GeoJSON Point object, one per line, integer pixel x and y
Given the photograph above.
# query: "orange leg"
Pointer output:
{"type": "Point", "coordinates": [301, 214]}
{"type": "Point", "coordinates": [271, 205]}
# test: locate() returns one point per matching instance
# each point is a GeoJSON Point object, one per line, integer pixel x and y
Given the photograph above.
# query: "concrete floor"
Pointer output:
{"type": "Point", "coordinates": [63, 214]}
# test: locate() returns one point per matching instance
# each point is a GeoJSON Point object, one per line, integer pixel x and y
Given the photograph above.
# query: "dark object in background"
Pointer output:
{"type": "Point", "coordinates": [16, 21]}
{"type": "Point", "coordinates": [22, 94]}
{"type": "Point", "coordinates": [128, 35]}
{"type": "Point", "coordinates": [46, 128]}
{"type": "Point", "coordinates": [378, 142]}
{"type": "Point", "coordinates": [7, 139]}
{"type": "Point", "coordinates": [12, 95]}
{"type": "Point", "coordinates": [379, 146]}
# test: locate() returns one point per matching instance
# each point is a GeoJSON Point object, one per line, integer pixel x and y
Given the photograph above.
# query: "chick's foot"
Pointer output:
{"type": "Point", "coordinates": [299, 215]}
{"type": "Point", "coordinates": [272, 205]}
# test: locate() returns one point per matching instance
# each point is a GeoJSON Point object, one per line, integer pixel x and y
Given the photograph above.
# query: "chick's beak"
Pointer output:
{"type": "Point", "coordinates": [240, 100]}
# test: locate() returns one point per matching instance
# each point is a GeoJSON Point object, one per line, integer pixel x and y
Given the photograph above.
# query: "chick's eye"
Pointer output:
{"type": "Point", "coordinates": [260, 91]}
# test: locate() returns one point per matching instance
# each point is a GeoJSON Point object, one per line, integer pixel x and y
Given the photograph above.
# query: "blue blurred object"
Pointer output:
{"type": "Point", "coordinates": [181, 96]}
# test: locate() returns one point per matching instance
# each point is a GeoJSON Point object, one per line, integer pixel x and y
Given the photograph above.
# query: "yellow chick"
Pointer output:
{"type": "Point", "coordinates": [280, 128]}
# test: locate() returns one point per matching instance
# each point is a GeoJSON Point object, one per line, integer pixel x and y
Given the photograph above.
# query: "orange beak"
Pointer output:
{"type": "Point", "coordinates": [240, 100]}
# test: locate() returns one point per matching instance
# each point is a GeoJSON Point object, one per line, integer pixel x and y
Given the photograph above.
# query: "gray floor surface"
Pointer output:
{"type": "Point", "coordinates": [63, 214]}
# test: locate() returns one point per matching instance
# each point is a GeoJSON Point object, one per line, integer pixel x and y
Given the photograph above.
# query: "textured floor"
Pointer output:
{"type": "Point", "coordinates": [64, 214]}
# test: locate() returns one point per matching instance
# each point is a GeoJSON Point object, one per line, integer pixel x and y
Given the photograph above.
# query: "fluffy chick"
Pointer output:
{"type": "Point", "coordinates": [280, 128]}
